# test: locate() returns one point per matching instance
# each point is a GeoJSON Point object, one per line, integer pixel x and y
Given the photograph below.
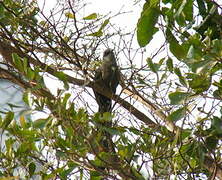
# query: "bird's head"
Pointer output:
{"type": "Point", "coordinates": [108, 55]}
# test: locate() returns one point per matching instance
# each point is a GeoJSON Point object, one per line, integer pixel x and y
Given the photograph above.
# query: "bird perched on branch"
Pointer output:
{"type": "Point", "coordinates": [108, 76]}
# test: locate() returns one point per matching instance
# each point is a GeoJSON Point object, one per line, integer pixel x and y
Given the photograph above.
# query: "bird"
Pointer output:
{"type": "Point", "coordinates": [108, 76]}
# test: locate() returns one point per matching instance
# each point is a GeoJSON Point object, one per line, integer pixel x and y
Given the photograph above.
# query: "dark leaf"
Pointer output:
{"type": "Point", "coordinates": [178, 114]}
{"type": "Point", "coordinates": [199, 83]}
{"type": "Point", "coordinates": [181, 78]}
{"type": "Point", "coordinates": [7, 120]}
{"type": "Point", "coordinates": [32, 168]}
{"type": "Point", "coordinates": [211, 142]}
{"type": "Point", "coordinates": [178, 97]}
{"type": "Point", "coordinates": [177, 50]}
{"type": "Point", "coordinates": [201, 7]}
{"type": "Point", "coordinates": [169, 64]}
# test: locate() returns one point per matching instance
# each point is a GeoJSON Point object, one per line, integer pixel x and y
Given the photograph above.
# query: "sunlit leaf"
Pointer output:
{"type": "Point", "coordinates": [22, 121]}
{"type": "Point", "coordinates": [96, 34]}
{"type": "Point", "coordinates": [27, 97]}
{"type": "Point", "coordinates": [65, 99]}
{"type": "Point", "coordinates": [105, 23]}
{"type": "Point", "coordinates": [18, 62]}
{"type": "Point", "coordinates": [30, 74]}
{"type": "Point", "coordinates": [91, 16]}
{"type": "Point", "coordinates": [70, 15]}
{"type": "Point", "coordinates": [146, 23]}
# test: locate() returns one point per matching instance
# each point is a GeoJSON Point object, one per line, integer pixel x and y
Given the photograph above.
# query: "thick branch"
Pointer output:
{"type": "Point", "coordinates": [39, 92]}
{"type": "Point", "coordinates": [6, 50]}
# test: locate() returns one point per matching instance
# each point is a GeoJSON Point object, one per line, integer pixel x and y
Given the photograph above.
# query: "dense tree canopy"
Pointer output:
{"type": "Point", "coordinates": [167, 114]}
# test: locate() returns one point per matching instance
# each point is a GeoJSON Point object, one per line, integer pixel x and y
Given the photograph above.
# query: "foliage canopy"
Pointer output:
{"type": "Point", "coordinates": [167, 113]}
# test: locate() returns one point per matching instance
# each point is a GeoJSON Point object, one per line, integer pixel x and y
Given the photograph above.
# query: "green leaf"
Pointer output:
{"type": "Point", "coordinates": [217, 125]}
{"type": "Point", "coordinates": [32, 168]}
{"type": "Point", "coordinates": [211, 142]}
{"type": "Point", "coordinates": [215, 68]}
{"type": "Point", "coordinates": [176, 49]}
{"type": "Point", "coordinates": [188, 10]}
{"type": "Point", "coordinates": [30, 74]}
{"type": "Point", "coordinates": [2, 11]}
{"type": "Point", "coordinates": [27, 97]}
{"type": "Point", "coordinates": [199, 82]}
{"type": "Point", "coordinates": [194, 52]}
{"type": "Point", "coordinates": [40, 123]}
{"type": "Point", "coordinates": [201, 152]}
{"type": "Point", "coordinates": [65, 99]}
{"type": "Point", "coordinates": [185, 10]}
{"type": "Point", "coordinates": [25, 64]}
{"type": "Point", "coordinates": [185, 133]}
{"type": "Point", "coordinates": [217, 93]}
{"type": "Point", "coordinates": [9, 143]}
{"type": "Point", "coordinates": [180, 9]}
{"type": "Point", "coordinates": [201, 7]}
{"type": "Point", "coordinates": [169, 64]}
{"type": "Point", "coordinates": [178, 97]}
{"type": "Point", "coordinates": [99, 33]}
{"type": "Point", "coordinates": [99, 163]}
{"type": "Point", "coordinates": [70, 15]}
{"type": "Point", "coordinates": [91, 16]}
{"type": "Point", "coordinates": [23, 148]}
{"type": "Point", "coordinates": [63, 77]}
{"type": "Point", "coordinates": [96, 34]}
{"type": "Point", "coordinates": [217, 47]}
{"type": "Point", "coordinates": [7, 120]}
{"type": "Point", "coordinates": [64, 174]}
{"type": "Point", "coordinates": [146, 23]}
{"type": "Point", "coordinates": [60, 154]}
{"type": "Point", "coordinates": [181, 78]}
{"type": "Point", "coordinates": [112, 131]}
{"type": "Point", "coordinates": [178, 114]}
{"type": "Point", "coordinates": [104, 24]}
{"type": "Point", "coordinates": [18, 62]}
{"type": "Point", "coordinates": [153, 66]}
{"type": "Point", "coordinates": [94, 175]}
